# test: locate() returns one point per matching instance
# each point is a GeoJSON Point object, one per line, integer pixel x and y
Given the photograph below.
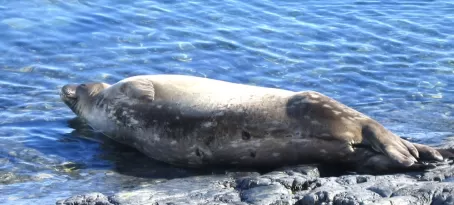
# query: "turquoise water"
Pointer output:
{"type": "Point", "coordinates": [393, 60]}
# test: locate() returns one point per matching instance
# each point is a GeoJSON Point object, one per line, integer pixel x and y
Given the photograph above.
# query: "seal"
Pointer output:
{"type": "Point", "coordinates": [195, 122]}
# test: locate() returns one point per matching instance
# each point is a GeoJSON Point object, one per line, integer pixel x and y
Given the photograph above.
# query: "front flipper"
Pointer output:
{"type": "Point", "coordinates": [141, 90]}
{"type": "Point", "coordinates": [126, 104]}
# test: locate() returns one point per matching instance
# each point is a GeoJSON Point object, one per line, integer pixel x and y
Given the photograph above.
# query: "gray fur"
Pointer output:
{"type": "Point", "coordinates": [193, 121]}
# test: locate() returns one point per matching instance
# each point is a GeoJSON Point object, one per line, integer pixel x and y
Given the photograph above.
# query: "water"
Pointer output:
{"type": "Point", "coordinates": [393, 60]}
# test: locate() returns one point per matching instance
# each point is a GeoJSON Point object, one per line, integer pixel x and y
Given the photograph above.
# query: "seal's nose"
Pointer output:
{"type": "Point", "coordinates": [69, 91]}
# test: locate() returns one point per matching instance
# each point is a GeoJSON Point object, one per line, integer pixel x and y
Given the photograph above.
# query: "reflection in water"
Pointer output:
{"type": "Point", "coordinates": [128, 161]}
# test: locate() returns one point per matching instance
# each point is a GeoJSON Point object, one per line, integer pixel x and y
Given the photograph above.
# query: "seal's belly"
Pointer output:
{"type": "Point", "coordinates": [217, 143]}
{"type": "Point", "coordinates": [249, 130]}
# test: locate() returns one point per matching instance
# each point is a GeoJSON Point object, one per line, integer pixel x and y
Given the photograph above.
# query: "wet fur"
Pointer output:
{"type": "Point", "coordinates": [192, 121]}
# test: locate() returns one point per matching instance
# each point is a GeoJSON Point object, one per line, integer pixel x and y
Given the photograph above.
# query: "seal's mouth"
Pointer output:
{"type": "Point", "coordinates": [68, 92]}
{"type": "Point", "coordinates": [69, 97]}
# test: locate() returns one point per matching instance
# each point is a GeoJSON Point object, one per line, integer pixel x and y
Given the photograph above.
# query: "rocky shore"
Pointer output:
{"type": "Point", "coordinates": [301, 185]}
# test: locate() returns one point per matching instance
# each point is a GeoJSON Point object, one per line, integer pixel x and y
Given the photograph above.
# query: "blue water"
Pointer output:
{"type": "Point", "coordinates": [393, 60]}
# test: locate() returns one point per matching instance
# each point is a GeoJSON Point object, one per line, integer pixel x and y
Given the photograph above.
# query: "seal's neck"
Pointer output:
{"type": "Point", "coordinates": [97, 114]}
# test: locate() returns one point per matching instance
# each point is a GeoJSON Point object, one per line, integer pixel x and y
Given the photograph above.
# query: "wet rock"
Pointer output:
{"type": "Point", "coordinates": [429, 193]}
{"type": "Point", "coordinates": [291, 185]}
{"type": "Point", "coordinates": [87, 199]}
{"type": "Point", "coordinates": [307, 170]}
{"type": "Point", "coordinates": [192, 190]}
{"type": "Point", "coordinates": [10, 178]}
{"type": "Point", "coordinates": [14, 177]}
{"type": "Point", "coordinates": [383, 191]}
{"type": "Point", "coordinates": [440, 173]}
{"type": "Point", "coordinates": [247, 183]}
{"type": "Point", "coordinates": [271, 194]}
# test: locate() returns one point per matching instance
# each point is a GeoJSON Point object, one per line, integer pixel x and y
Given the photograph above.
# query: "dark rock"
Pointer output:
{"type": "Point", "coordinates": [301, 185]}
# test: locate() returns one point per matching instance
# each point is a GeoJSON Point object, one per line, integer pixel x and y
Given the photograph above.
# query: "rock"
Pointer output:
{"type": "Point", "coordinates": [87, 199]}
{"type": "Point", "coordinates": [192, 190]}
{"type": "Point", "coordinates": [440, 173]}
{"type": "Point", "coordinates": [270, 194]}
{"type": "Point", "coordinates": [300, 185]}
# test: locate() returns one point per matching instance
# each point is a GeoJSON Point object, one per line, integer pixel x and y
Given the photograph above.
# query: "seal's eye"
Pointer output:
{"type": "Point", "coordinates": [81, 89]}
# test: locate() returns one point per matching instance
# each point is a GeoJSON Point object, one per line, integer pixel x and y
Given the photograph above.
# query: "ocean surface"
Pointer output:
{"type": "Point", "coordinates": [393, 60]}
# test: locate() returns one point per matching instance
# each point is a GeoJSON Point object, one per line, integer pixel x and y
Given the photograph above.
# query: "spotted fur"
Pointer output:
{"type": "Point", "coordinates": [194, 121]}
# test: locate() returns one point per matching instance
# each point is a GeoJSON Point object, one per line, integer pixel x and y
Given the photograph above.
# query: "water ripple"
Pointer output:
{"type": "Point", "coordinates": [390, 59]}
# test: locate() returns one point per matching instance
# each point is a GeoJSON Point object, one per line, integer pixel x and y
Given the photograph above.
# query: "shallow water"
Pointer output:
{"type": "Point", "coordinates": [393, 60]}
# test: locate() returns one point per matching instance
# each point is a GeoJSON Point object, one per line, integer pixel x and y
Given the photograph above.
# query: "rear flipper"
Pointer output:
{"type": "Point", "coordinates": [447, 153]}
{"type": "Point", "coordinates": [372, 162]}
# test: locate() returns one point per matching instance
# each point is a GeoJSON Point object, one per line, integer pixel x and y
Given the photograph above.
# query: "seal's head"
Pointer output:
{"type": "Point", "coordinates": [78, 97]}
